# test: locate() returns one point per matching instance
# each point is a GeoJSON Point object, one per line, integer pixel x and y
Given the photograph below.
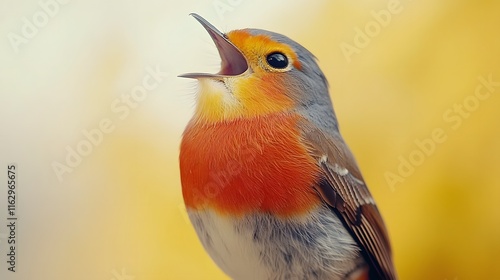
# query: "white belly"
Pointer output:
{"type": "Point", "coordinates": [260, 246]}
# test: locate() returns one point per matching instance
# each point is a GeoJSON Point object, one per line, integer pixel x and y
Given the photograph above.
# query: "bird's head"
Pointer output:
{"type": "Point", "coordinates": [261, 73]}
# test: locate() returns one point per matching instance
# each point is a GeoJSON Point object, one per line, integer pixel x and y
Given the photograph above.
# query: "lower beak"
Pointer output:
{"type": "Point", "coordinates": [233, 62]}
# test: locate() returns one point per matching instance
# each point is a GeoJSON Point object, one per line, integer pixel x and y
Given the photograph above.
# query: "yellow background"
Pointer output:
{"type": "Point", "coordinates": [119, 212]}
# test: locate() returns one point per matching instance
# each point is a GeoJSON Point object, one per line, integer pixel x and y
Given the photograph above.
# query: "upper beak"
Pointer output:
{"type": "Point", "coordinates": [233, 62]}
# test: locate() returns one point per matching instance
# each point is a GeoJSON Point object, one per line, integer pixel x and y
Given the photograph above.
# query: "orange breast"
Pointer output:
{"type": "Point", "coordinates": [249, 165]}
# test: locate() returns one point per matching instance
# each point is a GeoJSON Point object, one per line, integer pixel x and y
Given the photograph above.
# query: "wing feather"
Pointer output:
{"type": "Point", "coordinates": [342, 187]}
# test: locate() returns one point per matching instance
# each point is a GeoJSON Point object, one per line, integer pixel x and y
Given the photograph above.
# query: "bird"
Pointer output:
{"type": "Point", "coordinates": [270, 186]}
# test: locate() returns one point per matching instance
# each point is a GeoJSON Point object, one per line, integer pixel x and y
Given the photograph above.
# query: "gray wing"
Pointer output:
{"type": "Point", "coordinates": [342, 187]}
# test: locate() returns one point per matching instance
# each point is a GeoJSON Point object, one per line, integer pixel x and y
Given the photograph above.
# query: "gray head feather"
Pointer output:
{"type": "Point", "coordinates": [314, 101]}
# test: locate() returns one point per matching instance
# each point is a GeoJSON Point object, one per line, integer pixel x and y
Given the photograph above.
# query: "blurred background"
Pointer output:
{"type": "Point", "coordinates": [92, 113]}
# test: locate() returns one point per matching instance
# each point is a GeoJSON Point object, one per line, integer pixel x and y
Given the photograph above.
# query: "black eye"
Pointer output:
{"type": "Point", "coordinates": [277, 60]}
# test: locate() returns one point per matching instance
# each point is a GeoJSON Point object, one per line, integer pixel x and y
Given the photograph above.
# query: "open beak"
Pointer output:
{"type": "Point", "coordinates": [233, 62]}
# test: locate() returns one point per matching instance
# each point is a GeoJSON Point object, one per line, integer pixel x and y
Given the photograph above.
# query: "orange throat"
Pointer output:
{"type": "Point", "coordinates": [248, 165]}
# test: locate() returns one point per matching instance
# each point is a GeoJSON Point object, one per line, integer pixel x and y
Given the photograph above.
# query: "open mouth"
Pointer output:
{"type": "Point", "coordinates": [233, 63]}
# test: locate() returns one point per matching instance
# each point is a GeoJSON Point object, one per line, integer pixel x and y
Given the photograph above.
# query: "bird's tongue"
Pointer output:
{"type": "Point", "coordinates": [233, 62]}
